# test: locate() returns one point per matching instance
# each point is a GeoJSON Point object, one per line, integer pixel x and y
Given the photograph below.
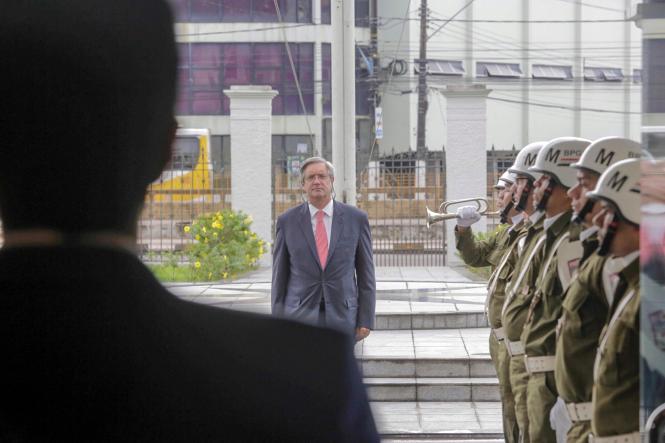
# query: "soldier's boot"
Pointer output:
{"type": "Point", "coordinates": [518, 381]}
{"type": "Point", "coordinates": [579, 432]}
{"type": "Point", "coordinates": [510, 429]}
{"type": "Point", "coordinates": [541, 396]}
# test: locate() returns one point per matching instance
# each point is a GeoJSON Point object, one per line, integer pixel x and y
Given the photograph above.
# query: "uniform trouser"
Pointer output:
{"type": "Point", "coordinates": [579, 432]}
{"type": "Point", "coordinates": [518, 381]}
{"type": "Point", "coordinates": [501, 361]}
{"type": "Point", "coordinates": [540, 397]}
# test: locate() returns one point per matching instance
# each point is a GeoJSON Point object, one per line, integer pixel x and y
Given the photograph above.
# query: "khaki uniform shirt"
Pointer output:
{"type": "Point", "coordinates": [539, 334]}
{"type": "Point", "coordinates": [616, 395]}
{"type": "Point", "coordinates": [519, 294]}
{"type": "Point", "coordinates": [490, 252]}
{"type": "Point", "coordinates": [584, 314]}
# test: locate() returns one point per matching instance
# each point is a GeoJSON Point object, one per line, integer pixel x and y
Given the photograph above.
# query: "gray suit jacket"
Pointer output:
{"type": "Point", "coordinates": [347, 283]}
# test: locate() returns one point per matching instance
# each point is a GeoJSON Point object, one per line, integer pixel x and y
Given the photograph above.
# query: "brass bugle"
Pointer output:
{"type": "Point", "coordinates": [435, 217]}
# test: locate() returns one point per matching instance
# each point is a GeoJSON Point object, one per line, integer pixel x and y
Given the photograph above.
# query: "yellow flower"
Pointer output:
{"type": "Point", "coordinates": [203, 229]}
{"type": "Point", "coordinates": [210, 275]}
{"type": "Point", "coordinates": [197, 265]}
{"type": "Point", "coordinates": [186, 229]}
{"type": "Point", "coordinates": [249, 220]}
{"type": "Point", "coordinates": [198, 237]}
{"type": "Point", "coordinates": [214, 234]}
{"type": "Point", "coordinates": [260, 251]}
{"type": "Point", "coordinates": [224, 275]}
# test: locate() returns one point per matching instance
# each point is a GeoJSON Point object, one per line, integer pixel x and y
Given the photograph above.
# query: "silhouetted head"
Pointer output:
{"type": "Point", "coordinates": [86, 111]}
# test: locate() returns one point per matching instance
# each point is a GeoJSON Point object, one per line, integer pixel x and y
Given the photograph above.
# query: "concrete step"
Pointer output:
{"type": "Point", "coordinates": [396, 367]}
{"type": "Point", "coordinates": [429, 320]}
{"type": "Point", "coordinates": [438, 421]}
{"type": "Point", "coordinates": [432, 389]}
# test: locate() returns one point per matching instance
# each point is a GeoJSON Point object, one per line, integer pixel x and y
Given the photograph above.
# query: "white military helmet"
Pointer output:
{"type": "Point", "coordinates": [606, 151]}
{"type": "Point", "coordinates": [506, 179]}
{"type": "Point", "coordinates": [620, 186]}
{"type": "Point", "coordinates": [525, 159]}
{"type": "Point", "coordinates": [557, 155]}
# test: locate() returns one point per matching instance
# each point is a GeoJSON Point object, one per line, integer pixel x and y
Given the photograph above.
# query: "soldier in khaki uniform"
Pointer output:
{"type": "Point", "coordinates": [615, 398]}
{"type": "Point", "coordinates": [521, 260]}
{"type": "Point", "coordinates": [585, 304]}
{"type": "Point", "coordinates": [493, 252]}
{"type": "Point", "coordinates": [538, 336]}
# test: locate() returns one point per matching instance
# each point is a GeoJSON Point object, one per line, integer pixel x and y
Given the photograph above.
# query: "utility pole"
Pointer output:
{"type": "Point", "coordinates": [422, 79]}
{"type": "Point", "coordinates": [375, 99]}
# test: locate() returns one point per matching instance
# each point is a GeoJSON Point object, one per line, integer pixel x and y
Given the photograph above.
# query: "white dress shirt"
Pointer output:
{"type": "Point", "coordinates": [327, 218]}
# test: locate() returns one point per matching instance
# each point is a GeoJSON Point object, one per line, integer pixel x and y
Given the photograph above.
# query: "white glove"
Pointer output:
{"type": "Point", "coordinates": [559, 420]}
{"type": "Point", "coordinates": [467, 215]}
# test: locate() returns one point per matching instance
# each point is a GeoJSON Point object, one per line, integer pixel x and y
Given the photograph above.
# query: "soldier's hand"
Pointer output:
{"type": "Point", "coordinates": [467, 215]}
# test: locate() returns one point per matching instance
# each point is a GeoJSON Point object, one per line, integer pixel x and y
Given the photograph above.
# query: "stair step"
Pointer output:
{"type": "Point", "coordinates": [429, 320]}
{"type": "Point", "coordinates": [438, 420]}
{"type": "Point", "coordinates": [432, 389]}
{"type": "Point", "coordinates": [395, 367]}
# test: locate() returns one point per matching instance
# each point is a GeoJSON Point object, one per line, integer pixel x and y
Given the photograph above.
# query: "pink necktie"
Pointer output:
{"type": "Point", "coordinates": [321, 239]}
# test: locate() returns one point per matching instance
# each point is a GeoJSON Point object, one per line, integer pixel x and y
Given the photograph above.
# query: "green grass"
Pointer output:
{"type": "Point", "coordinates": [171, 273]}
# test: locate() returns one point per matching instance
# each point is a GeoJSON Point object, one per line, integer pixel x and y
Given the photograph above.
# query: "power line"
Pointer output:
{"type": "Point", "coordinates": [237, 31]}
{"type": "Point", "coordinates": [450, 19]}
{"type": "Point", "coordinates": [623, 20]}
{"type": "Point", "coordinates": [568, 108]}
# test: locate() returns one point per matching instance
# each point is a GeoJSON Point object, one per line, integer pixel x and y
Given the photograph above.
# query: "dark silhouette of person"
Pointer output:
{"type": "Point", "coordinates": [93, 347]}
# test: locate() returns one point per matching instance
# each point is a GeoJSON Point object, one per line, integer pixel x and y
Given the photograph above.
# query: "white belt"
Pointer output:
{"type": "Point", "coordinates": [514, 348]}
{"type": "Point", "coordinates": [539, 364]}
{"type": "Point", "coordinates": [579, 411]}
{"type": "Point", "coordinates": [633, 437]}
{"type": "Point", "coordinates": [499, 334]}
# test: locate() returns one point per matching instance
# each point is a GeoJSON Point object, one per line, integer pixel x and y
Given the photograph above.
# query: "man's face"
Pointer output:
{"type": "Point", "coordinates": [586, 182]}
{"type": "Point", "coordinates": [539, 187]}
{"type": "Point", "coordinates": [505, 196]}
{"type": "Point", "coordinates": [627, 236]}
{"type": "Point", "coordinates": [317, 182]}
{"type": "Point", "coordinates": [521, 186]}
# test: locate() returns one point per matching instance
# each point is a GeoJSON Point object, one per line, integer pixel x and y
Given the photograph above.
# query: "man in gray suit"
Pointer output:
{"type": "Point", "coordinates": [323, 270]}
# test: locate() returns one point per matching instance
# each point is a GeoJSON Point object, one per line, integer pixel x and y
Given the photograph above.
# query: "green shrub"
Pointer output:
{"type": "Point", "coordinates": [224, 246]}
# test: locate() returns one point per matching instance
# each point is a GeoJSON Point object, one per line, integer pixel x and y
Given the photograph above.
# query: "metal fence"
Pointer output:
{"type": "Point", "coordinates": [393, 191]}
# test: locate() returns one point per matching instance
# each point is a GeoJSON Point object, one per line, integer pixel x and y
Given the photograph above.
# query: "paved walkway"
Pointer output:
{"type": "Point", "coordinates": [413, 296]}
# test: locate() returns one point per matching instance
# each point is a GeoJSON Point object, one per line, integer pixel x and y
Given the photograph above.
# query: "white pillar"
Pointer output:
{"type": "Point", "coordinates": [466, 152]}
{"type": "Point", "coordinates": [251, 153]}
{"type": "Point", "coordinates": [343, 54]}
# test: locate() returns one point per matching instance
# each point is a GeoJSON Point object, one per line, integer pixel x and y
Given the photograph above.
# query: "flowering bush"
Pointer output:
{"type": "Point", "coordinates": [223, 245]}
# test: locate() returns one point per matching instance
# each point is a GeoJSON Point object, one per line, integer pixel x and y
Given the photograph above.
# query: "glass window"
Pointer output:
{"type": "Point", "coordinates": [326, 78]}
{"type": "Point", "coordinates": [552, 72]}
{"type": "Point", "coordinates": [362, 13]}
{"type": "Point", "coordinates": [362, 83]}
{"type": "Point", "coordinates": [325, 12]}
{"type": "Point", "coordinates": [206, 69]}
{"type": "Point", "coordinates": [603, 74]}
{"type": "Point", "coordinates": [500, 70]}
{"type": "Point", "coordinates": [239, 11]}
{"type": "Point", "coordinates": [185, 153]}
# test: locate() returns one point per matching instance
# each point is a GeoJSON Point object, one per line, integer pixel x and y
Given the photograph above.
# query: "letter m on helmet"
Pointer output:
{"type": "Point", "coordinates": [604, 158]}
{"type": "Point", "coordinates": [530, 159]}
{"type": "Point", "coordinates": [552, 156]}
{"type": "Point", "coordinates": [617, 181]}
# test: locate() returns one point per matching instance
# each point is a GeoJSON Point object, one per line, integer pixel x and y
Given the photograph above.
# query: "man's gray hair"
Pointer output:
{"type": "Point", "coordinates": [312, 160]}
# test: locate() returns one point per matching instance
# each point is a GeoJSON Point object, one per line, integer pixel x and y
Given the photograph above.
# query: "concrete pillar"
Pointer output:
{"type": "Point", "coordinates": [421, 179]}
{"type": "Point", "coordinates": [343, 53]}
{"type": "Point", "coordinates": [466, 152]}
{"type": "Point", "coordinates": [251, 174]}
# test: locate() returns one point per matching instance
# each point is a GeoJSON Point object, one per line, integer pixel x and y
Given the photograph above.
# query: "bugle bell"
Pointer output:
{"type": "Point", "coordinates": [443, 214]}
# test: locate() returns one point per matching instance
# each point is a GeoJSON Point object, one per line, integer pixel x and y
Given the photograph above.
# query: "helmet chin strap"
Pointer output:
{"type": "Point", "coordinates": [542, 204]}
{"type": "Point", "coordinates": [604, 247]}
{"type": "Point", "coordinates": [521, 205]}
{"type": "Point", "coordinates": [503, 216]}
{"type": "Point", "coordinates": [586, 209]}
